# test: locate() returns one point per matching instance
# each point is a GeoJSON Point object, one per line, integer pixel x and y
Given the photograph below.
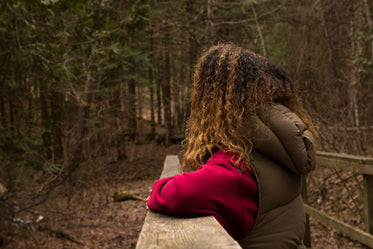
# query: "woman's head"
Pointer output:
{"type": "Point", "coordinates": [229, 83]}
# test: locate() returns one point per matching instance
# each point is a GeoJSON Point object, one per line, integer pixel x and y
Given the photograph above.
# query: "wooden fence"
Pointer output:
{"type": "Point", "coordinates": [161, 231]}
{"type": "Point", "coordinates": [356, 164]}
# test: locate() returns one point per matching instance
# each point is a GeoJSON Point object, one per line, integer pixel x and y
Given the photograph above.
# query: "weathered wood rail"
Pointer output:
{"type": "Point", "coordinates": [161, 231]}
{"type": "Point", "coordinates": [356, 164]}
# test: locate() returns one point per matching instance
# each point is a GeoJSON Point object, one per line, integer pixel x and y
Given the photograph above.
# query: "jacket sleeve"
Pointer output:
{"type": "Point", "coordinates": [211, 190]}
{"type": "Point", "coordinates": [187, 194]}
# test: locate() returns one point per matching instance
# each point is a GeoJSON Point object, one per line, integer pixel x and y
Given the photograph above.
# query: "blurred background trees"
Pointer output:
{"type": "Point", "coordinates": [81, 79]}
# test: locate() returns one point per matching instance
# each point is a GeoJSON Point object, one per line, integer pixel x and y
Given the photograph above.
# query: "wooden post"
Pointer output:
{"type": "Point", "coordinates": [307, 231]}
{"type": "Point", "coordinates": [368, 202]}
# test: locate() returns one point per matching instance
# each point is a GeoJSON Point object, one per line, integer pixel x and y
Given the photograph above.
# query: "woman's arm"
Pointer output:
{"type": "Point", "coordinates": [214, 189]}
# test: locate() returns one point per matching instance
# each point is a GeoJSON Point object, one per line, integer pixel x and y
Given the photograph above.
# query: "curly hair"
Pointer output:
{"type": "Point", "coordinates": [229, 83]}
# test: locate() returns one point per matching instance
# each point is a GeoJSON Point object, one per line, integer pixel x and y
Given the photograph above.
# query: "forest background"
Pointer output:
{"type": "Point", "coordinates": [81, 79]}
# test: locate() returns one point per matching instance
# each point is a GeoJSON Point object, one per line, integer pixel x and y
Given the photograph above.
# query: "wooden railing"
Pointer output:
{"type": "Point", "coordinates": [356, 164]}
{"type": "Point", "coordinates": [161, 231]}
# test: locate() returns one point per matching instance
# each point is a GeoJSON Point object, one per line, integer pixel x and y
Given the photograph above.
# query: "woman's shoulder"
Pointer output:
{"type": "Point", "coordinates": [227, 161]}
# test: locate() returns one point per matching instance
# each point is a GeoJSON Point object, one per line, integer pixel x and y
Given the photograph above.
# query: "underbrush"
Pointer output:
{"type": "Point", "coordinates": [81, 213]}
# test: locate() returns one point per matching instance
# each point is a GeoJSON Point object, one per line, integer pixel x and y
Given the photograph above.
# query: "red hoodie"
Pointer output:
{"type": "Point", "coordinates": [216, 188]}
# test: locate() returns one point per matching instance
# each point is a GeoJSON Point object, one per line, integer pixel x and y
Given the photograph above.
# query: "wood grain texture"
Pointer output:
{"type": "Point", "coordinates": [162, 231]}
{"type": "Point", "coordinates": [171, 166]}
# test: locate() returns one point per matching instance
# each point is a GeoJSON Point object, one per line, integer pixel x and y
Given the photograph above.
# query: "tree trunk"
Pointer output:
{"type": "Point", "coordinates": [151, 88]}
{"type": "Point", "coordinates": [11, 117]}
{"type": "Point", "coordinates": [178, 96]}
{"type": "Point", "coordinates": [152, 116]}
{"type": "Point", "coordinates": [118, 117]}
{"type": "Point", "coordinates": [31, 111]}
{"type": "Point", "coordinates": [166, 92]}
{"type": "Point", "coordinates": [81, 129]}
{"type": "Point", "coordinates": [121, 142]}
{"type": "Point", "coordinates": [3, 113]}
{"type": "Point", "coordinates": [46, 121]}
{"type": "Point", "coordinates": [159, 80]}
{"type": "Point", "coordinates": [209, 25]}
{"type": "Point", "coordinates": [367, 8]}
{"type": "Point", "coordinates": [353, 87]}
{"type": "Point", "coordinates": [193, 51]}
{"type": "Point", "coordinates": [132, 122]}
{"type": "Point", "coordinates": [56, 118]}
{"type": "Point", "coordinates": [259, 31]}
{"type": "Point", "coordinates": [139, 103]}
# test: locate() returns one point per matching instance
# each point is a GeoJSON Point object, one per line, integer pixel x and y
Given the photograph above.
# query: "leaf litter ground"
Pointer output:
{"type": "Point", "coordinates": [86, 216]}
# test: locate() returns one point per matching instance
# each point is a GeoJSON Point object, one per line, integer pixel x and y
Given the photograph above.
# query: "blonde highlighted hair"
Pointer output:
{"type": "Point", "coordinates": [229, 83]}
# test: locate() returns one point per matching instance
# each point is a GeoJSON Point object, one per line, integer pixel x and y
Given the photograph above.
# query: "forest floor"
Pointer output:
{"type": "Point", "coordinates": [86, 216]}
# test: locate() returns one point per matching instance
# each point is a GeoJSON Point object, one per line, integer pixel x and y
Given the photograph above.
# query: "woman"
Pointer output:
{"type": "Point", "coordinates": [249, 141]}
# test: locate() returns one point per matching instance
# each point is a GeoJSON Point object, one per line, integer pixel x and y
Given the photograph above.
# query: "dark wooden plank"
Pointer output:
{"type": "Point", "coordinates": [161, 231]}
{"type": "Point", "coordinates": [357, 164]}
{"type": "Point", "coordinates": [350, 231]}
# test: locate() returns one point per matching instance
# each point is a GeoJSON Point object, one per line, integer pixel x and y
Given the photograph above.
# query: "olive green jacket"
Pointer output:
{"type": "Point", "coordinates": [278, 162]}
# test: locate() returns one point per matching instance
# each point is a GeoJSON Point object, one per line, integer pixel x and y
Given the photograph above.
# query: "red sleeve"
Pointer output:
{"type": "Point", "coordinates": [213, 189]}
{"type": "Point", "coordinates": [187, 194]}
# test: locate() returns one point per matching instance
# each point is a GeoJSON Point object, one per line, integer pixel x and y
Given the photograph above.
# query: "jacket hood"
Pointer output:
{"type": "Point", "coordinates": [283, 137]}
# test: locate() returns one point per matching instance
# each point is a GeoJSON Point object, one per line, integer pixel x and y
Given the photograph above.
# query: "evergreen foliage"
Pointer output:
{"type": "Point", "coordinates": [76, 76]}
